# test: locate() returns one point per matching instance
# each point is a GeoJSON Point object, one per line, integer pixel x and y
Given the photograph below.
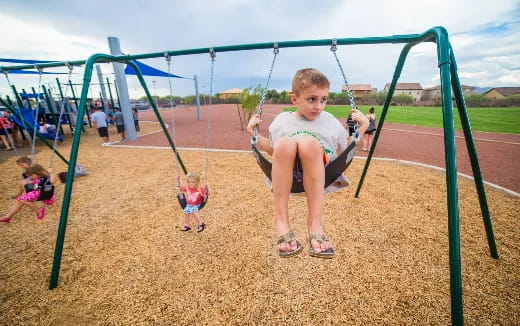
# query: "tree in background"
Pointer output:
{"type": "Point", "coordinates": [378, 97]}
{"type": "Point", "coordinates": [402, 99]}
{"type": "Point", "coordinates": [248, 103]}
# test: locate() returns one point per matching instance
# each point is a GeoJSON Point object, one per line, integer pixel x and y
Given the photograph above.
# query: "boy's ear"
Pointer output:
{"type": "Point", "coordinates": [293, 98]}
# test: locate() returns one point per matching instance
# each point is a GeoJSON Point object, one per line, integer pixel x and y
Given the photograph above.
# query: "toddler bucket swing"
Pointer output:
{"type": "Point", "coordinates": [181, 197]}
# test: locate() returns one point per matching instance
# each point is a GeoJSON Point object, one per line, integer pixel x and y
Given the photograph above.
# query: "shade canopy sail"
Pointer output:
{"type": "Point", "coordinates": [147, 70]}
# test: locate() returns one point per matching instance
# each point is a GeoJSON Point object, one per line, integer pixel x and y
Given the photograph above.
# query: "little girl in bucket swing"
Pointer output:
{"type": "Point", "coordinates": [40, 178]}
{"type": "Point", "coordinates": [194, 196]}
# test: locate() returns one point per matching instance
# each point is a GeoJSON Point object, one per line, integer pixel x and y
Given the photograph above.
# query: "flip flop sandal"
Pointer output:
{"type": "Point", "coordinates": [201, 227]}
{"type": "Point", "coordinates": [329, 253]}
{"type": "Point", "coordinates": [185, 228]}
{"type": "Point", "coordinates": [287, 238]}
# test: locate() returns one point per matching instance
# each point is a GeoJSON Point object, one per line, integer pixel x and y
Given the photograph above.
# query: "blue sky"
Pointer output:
{"type": "Point", "coordinates": [485, 36]}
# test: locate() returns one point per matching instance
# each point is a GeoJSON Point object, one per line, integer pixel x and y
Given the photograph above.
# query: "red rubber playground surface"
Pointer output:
{"type": "Point", "coordinates": [498, 154]}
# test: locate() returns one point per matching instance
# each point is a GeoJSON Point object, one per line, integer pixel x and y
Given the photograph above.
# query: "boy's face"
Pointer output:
{"type": "Point", "coordinates": [23, 165]}
{"type": "Point", "coordinates": [310, 102]}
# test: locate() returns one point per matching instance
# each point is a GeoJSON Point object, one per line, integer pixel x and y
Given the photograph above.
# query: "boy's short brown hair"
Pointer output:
{"type": "Point", "coordinates": [307, 77]}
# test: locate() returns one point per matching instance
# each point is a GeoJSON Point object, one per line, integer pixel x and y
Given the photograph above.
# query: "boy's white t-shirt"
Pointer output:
{"type": "Point", "coordinates": [100, 118]}
{"type": "Point", "coordinates": [326, 129]}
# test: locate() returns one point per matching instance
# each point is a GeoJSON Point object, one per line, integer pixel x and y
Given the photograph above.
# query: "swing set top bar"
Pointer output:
{"type": "Point", "coordinates": [430, 35]}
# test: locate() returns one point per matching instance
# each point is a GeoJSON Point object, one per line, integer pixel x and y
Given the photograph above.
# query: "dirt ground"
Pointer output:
{"type": "Point", "coordinates": [125, 261]}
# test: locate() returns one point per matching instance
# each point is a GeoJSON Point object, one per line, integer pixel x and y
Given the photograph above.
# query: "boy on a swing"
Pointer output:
{"type": "Point", "coordinates": [314, 138]}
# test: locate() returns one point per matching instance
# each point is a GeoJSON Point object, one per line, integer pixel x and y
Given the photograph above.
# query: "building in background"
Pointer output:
{"type": "Point", "coordinates": [501, 92]}
{"type": "Point", "coordinates": [359, 90]}
{"type": "Point", "coordinates": [234, 92]}
{"type": "Point", "coordinates": [431, 93]}
{"type": "Point", "coordinates": [415, 90]}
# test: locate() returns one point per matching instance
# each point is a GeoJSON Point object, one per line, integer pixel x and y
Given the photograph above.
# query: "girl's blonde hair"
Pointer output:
{"type": "Point", "coordinates": [308, 77]}
{"type": "Point", "coordinates": [193, 176]}
{"type": "Point", "coordinates": [24, 159]}
{"type": "Point", "coordinates": [38, 170]}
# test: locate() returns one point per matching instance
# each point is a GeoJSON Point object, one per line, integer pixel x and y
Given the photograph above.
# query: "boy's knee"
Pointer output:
{"type": "Point", "coordinates": [309, 147]}
{"type": "Point", "coordinates": [285, 146]}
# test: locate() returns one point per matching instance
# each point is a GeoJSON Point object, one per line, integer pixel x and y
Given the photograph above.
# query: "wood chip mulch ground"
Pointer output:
{"type": "Point", "coordinates": [125, 261]}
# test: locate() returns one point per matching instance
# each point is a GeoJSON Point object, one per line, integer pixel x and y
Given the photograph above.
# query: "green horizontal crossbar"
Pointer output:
{"type": "Point", "coordinates": [408, 38]}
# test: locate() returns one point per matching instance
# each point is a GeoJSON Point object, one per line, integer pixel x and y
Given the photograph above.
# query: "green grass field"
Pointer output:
{"type": "Point", "coordinates": [501, 120]}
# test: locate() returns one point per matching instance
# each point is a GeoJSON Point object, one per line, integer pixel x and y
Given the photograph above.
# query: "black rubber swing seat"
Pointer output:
{"type": "Point", "coordinates": [332, 170]}
{"type": "Point", "coordinates": [46, 189]}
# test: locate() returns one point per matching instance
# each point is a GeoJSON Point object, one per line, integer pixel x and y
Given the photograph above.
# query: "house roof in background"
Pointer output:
{"type": "Point", "coordinates": [506, 91]}
{"type": "Point", "coordinates": [438, 87]}
{"type": "Point", "coordinates": [406, 86]}
{"type": "Point", "coordinates": [357, 87]}
{"type": "Point", "coordinates": [232, 91]}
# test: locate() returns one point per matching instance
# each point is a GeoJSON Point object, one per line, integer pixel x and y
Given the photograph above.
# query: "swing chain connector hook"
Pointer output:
{"type": "Point", "coordinates": [167, 56]}
{"type": "Point", "coordinates": [39, 68]}
{"type": "Point", "coordinates": [212, 54]}
{"type": "Point", "coordinates": [334, 45]}
{"type": "Point", "coordinates": [276, 48]}
{"type": "Point", "coordinates": [70, 66]}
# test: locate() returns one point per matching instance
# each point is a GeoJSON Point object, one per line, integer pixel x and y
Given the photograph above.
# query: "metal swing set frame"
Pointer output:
{"type": "Point", "coordinates": [449, 82]}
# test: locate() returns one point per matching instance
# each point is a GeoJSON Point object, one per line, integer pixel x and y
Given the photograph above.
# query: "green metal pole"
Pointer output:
{"type": "Point", "coordinates": [472, 151]}
{"type": "Point", "coordinates": [49, 104]}
{"type": "Point", "coordinates": [65, 105]}
{"type": "Point", "coordinates": [30, 129]}
{"type": "Point", "coordinates": [443, 53]}
{"type": "Point", "coordinates": [17, 97]}
{"type": "Point", "coordinates": [77, 107]}
{"type": "Point", "coordinates": [87, 75]}
{"type": "Point", "coordinates": [9, 100]}
{"type": "Point", "coordinates": [157, 114]}
{"type": "Point", "coordinates": [117, 94]}
{"type": "Point", "coordinates": [110, 93]}
{"type": "Point", "coordinates": [397, 74]}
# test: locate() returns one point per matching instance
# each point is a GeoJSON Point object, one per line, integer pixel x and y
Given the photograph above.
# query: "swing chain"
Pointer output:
{"type": "Point", "coordinates": [62, 110]}
{"type": "Point", "coordinates": [212, 54]}
{"type": "Point", "coordinates": [168, 59]}
{"type": "Point", "coordinates": [6, 73]}
{"type": "Point", "coordinates": [276, 50]}
{"type": "Point", "coordinates": [36, 124]}
{"type": "Point", "coordinates": [333, 48]}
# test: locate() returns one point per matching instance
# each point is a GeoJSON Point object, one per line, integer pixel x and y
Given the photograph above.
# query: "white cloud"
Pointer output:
{"type": "Point", "coordinates": [65, 30]}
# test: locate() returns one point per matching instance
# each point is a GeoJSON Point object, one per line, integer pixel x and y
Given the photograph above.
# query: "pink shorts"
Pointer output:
{"type": "Point", "coordinates": [33, 196]}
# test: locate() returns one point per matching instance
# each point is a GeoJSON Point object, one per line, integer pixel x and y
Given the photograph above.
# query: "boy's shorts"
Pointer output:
{"type": "Point", "coordinates": [102, 131]}
{"type": "Point", "coordinates": [120, 128]}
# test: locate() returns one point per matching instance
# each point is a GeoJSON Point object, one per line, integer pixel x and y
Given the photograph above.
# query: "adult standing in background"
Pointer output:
{"type": "Point", "coordinates": [135, 114]}
{"type": "Point", "coordinates": [119, 122]}
{"type": "Point", "coordinates": [372, 126]}
{"type": "Point", "coordinates": [99, 119]}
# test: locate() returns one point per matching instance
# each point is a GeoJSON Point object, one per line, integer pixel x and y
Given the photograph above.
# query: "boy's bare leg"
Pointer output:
{"type": "Point", "coordinates": [311, 156]}
{"type": "Point", "coordinates": [284, 154]}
